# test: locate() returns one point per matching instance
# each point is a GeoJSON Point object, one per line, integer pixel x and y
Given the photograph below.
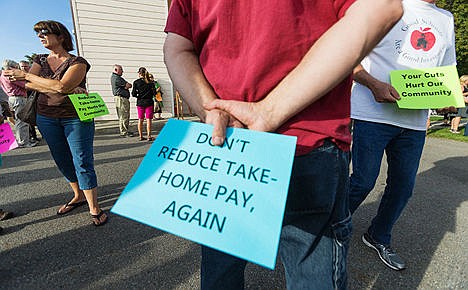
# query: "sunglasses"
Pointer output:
{"type": "Point", "coordinates": [43, 32]}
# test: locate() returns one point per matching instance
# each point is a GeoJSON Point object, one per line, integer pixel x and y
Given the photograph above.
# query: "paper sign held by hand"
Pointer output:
{"type": "Point", "coordinates": [230, 198]}
{"type": "Point", "coordinates": [429, 88]}
{"type": "Point", "coordinates": [88, 106]}
{"type": "Point", "coordinates": [7, 138]}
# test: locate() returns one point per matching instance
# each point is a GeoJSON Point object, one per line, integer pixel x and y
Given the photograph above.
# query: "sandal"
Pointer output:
{"type": "Point", "coordinates": [97, 218]}
{"type": "Point", "coordinates": [150, 139]}
{"type": "Point", "coordinates": [4, 215]}
{"type": "Point", "coordinates": [142, 138]}
{"type": "Point", "coordinates": [70, 206]}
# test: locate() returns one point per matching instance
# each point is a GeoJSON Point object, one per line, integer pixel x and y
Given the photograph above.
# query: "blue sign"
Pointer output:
{"type": "Point", "coordinates": [230, 198]}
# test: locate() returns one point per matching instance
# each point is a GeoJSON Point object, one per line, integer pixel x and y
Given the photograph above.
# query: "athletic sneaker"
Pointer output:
{"type": "Point", "coordinates": [28, 145]}
{"type": "Point", "coordinates": [129, 134]}
{"type": "Point", "coordinates": [386, 253]}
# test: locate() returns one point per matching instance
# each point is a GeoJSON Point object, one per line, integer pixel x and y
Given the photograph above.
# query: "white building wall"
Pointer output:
{"type": "Point", "coordinates": [129, 33]}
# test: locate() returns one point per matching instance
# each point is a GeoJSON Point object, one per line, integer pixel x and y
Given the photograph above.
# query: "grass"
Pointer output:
{"type": "Point", "coordinates": [443, 132]}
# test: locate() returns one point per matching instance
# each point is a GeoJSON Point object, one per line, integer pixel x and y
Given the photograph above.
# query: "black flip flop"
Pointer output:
{"type": "Point", "coordinates": [98, 217]}
{"type": "Point", "coordinates": [72, 206]}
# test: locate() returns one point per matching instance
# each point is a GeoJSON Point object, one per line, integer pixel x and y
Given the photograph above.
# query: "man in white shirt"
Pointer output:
{"type": "Point", "coordinates": [424, 37]}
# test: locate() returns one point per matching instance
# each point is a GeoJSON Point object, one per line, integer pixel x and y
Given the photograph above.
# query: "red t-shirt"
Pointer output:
{"type": "Point", "coordinates": [246, 48]}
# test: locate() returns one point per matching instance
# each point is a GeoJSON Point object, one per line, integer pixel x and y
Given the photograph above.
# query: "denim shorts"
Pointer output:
{"type": "Point", "coordinates": [71, 144]}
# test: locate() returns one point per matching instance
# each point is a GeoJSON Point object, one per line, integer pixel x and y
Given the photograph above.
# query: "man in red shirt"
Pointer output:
{"type": "Point", "coordinates": [286, 69]}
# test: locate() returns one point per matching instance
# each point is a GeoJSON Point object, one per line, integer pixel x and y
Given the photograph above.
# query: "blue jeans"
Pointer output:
{"type": "Point", "coordinates": [316, 228]}
{"type": "Point", "coordinates": [403, 148]}
{"type": "Point", "coordinates": [71, 144]}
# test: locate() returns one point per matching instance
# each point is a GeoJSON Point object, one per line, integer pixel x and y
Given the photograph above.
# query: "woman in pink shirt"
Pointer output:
{"type": "Point", "coordinates": [16, 92]}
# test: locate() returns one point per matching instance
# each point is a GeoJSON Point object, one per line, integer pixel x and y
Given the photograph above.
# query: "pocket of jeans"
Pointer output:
{"type": "Point", "coordinates": [314, 182]}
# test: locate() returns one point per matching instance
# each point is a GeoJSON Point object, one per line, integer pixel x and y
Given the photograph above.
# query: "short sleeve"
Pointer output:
{"type": "Point", "coordinates": [40, 58]}
{"type": "Point", "coordinates": [80, 59]}
{"type": "Point", "coordinates": [341, 6]}
{"type": "Point", "coordinates": [450, 56]}
{"type": "Point", "coordinates": [179, 19]}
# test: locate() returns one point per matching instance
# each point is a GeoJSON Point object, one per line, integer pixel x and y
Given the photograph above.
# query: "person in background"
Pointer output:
{"type": "Point", "coordinates": [4, 215]}
{"type": "Point", "coordinates": [16, 92]}
{"type": "Point", "coordinates": [144, 91]}
{"type": "Point", "coordinates": [447, 118]}
{"type": "Point", "coordinates": [4, 106]}
{"type": "Point", "coordinates": [158, 101]}
{"type": "Point", "coordinates": [120, 90]}
{"type": "Point", "coordinates": [70, 140]}
{"type": "Point", "coordinates": [24, 66]}
{"type": "Point", "coordinates": [381, 127]}
{"type": "Point", "coordinates": [464, 81]}
{"type": "Point", "coordinates": [461, 112]}
{"type": "Point", "coordinates": [223, 68]}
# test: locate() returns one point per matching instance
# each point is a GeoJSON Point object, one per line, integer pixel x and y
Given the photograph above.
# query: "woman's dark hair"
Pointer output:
{"type": "Point", "coordinates": [143, 72]}
{"type": "Point", "coordinates": [58, 29]}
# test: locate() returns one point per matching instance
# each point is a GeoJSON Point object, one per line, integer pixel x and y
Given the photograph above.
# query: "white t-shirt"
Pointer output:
{"type": "Point", "coordinates": [424, 37]}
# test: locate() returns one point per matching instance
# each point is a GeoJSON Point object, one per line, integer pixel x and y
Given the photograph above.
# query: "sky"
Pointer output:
{"type": "Point", "coordinates": [17, 37]}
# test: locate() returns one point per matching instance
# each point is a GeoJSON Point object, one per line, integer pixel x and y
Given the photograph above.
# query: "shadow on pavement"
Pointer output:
{"type": "Point", "coordinates": [40, 250]}
{"type": "Point", "coordinates": [429, 216]}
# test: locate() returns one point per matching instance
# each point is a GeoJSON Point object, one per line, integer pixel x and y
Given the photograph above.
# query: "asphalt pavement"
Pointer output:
{"type": "Point", "coordinates": [40, 250]}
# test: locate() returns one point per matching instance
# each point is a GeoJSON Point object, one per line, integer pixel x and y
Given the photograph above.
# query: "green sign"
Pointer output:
{"type": "Point", "coordinates": [429, 88]}
{"type": "Point", "coordinates": [89, 106]}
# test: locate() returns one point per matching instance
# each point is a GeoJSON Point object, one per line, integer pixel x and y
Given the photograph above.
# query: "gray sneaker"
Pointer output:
{"type": "Point", "coordinates": [27, 145]}
{"type": "Point", "coordinates": [126, 135]}
{"type": "Point", "coordinates": [386, 253]}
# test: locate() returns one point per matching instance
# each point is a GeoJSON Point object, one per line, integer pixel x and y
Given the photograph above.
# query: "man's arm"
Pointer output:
{"type": "Point", "coordinates": [135, 90]}
{"type": "Point", "coordinates": [358, 31]}
{"type": "Point", "coordinates": [122, 83]}
{"type": "Point", "coordinates": [383, 92]}
{"type": "Point", "coordinates": [187, 75]}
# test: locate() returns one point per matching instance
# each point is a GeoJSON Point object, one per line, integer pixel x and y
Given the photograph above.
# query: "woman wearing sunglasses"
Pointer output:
{"type": "Point", "coordinates": [54, 76]}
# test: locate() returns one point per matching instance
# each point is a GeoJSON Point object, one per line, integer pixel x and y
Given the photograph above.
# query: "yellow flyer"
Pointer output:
{"type": "Point", "coordinates": [429, 88]}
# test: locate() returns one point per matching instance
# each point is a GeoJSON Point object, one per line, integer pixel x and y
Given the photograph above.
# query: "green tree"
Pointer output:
{"type": "Point", "coordinates": [30, 58]}
{"type": "Point", "coordinates": [459, 9]}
